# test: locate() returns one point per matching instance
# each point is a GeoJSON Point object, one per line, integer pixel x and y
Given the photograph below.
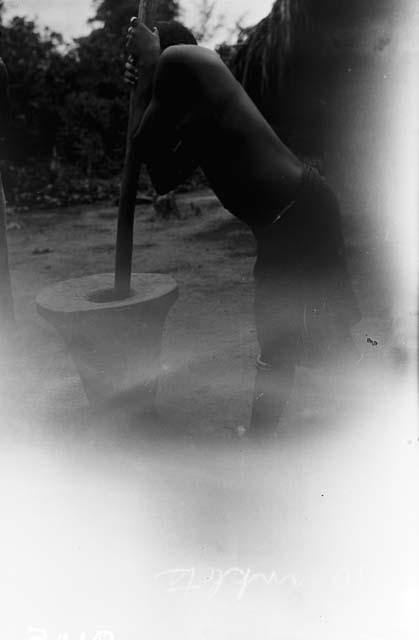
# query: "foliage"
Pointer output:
{"type": "Point", "coordinates": [115, 14]}
{"type": "Point", "coordinates": [94, 114]}
{"type": "Point", "coordinates": [36, 185]}
{"type": "Point", "coordinates": [34, 64]}
{"type": "Point", "coordinates": [69, 105]}
{"type": "Point", "coordinates": [208, 23]}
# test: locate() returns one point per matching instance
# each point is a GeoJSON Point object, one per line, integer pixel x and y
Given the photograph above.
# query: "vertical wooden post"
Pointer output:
{"type": "Point", "coordinates": [131, 172]}
{"type": "Point", "coordinates": [6, 301]}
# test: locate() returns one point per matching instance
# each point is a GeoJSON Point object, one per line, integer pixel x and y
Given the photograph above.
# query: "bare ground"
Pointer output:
{"type": "Point", "coordinates": [209, 343]}
{"type": "Point", "coordinates": [114, 529]}
{"type": "Point", "coordinates": [107, 526]}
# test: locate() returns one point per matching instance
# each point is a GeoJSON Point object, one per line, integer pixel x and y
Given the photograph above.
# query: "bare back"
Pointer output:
{"type": "Point", "coordinates": [199, 101]}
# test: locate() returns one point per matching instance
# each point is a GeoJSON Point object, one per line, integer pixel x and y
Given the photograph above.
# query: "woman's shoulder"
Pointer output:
{"type": "Point", "coordinates": [189, 57]}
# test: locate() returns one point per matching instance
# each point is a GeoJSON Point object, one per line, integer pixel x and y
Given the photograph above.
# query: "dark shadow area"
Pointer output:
{"type": "Point", "coordinates": [235, 236]}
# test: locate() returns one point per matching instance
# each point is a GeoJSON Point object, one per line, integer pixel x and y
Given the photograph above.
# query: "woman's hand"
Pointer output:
{"type": "Point", "coordinates": [131, 72]}
{"type": "Point", "coordinates": [142, 44]}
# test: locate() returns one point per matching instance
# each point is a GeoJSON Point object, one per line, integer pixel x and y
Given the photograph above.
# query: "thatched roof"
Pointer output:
{"type": "Point", "coordinates": [262, 55]}
{"type": "Point", "coordinates": [310, 27]}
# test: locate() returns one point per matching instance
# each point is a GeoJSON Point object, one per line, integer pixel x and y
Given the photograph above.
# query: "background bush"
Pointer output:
{"type": "Point", "coordinates": [66, 138]}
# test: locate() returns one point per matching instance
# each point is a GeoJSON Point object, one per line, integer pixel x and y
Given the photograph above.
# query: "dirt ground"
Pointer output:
{"type": "Point", "coordinates": [114, 529]}
{"type": "Point", "coordinates": [175, 528]}
{"type": "Point", "coordinates": [209, 338]}
{"type": "Point", "coordinates": [209, 344]}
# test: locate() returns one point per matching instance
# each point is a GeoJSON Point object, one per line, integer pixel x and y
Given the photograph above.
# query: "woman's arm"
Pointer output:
{"type": "Point", "coordinates": [163, 138]}
{"type": "Point", "coordinates": [166, 152]}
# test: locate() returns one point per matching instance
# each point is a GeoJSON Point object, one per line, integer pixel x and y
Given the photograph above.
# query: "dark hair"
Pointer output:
{"type": "Point", "coordinates": [172, 33]}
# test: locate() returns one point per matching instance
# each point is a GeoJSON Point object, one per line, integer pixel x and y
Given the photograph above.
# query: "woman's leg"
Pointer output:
{"type": "Point", "coordinates": [278, 319]}
{"type": "Point", "coordinates": [272, 391]}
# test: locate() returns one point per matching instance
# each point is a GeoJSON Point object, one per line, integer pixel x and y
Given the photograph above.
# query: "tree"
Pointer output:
{"type": "Point", "coordinates": [115, 14]}
{"type": "Point", "coordinates": [69, 104]}
{"type": "Point", "coordinates": [208, 23]}
{"type": "Point", "coordinates": [34, 65]}
{"type": "Point", "coordinates": [94, 113]}
{"type": "Point", "coordinates": [94, 116]}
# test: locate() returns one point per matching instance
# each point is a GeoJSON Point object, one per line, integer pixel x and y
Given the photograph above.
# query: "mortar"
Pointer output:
{"type": "Point", "coordinates": [114, 343]}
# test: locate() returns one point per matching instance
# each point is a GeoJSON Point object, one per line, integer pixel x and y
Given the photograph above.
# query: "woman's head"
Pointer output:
{"type": "Point", "coordinates": [172, 33]}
